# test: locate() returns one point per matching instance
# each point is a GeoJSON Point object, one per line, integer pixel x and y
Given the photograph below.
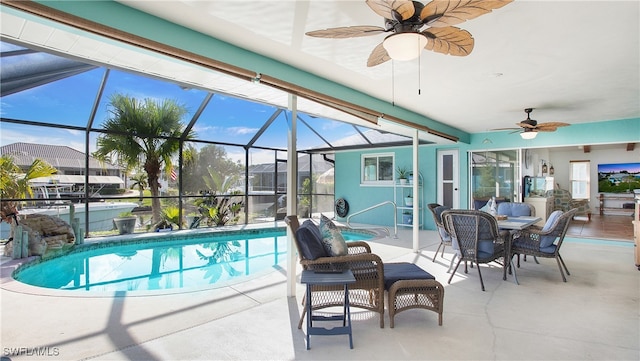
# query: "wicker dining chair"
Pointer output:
{"type": "Point", "coordinates": [445, 238]}
{"type": "Point", "coordinates": [368, 290]}
{"type": "Point", "coordinates": [545, 241]}
{"type": "Point", "coordinates": [478, 238]}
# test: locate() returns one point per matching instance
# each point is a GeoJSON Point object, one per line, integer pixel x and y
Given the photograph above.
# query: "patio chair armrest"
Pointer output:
{"type": "Point", "coordinates": [503, 235]}
{"type": "Point", "coordinates": [534, 231]}
{"type": "Point", "coordinates": [349, 260]}
{"type": "Point", "coordinates": [358, 247]}
{"type": "Point", "coordinates": [528, 238]}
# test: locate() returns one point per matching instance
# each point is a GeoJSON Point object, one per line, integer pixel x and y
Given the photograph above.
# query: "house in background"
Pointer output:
{"type": "Point", "coordinates": [104, 178]}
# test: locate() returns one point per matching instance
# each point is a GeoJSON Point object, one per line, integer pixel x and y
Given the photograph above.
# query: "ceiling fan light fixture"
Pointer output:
{"type": "Point", "coordinates": [404, 46]}
{"type": "Point", "coordinates": [528, 134]}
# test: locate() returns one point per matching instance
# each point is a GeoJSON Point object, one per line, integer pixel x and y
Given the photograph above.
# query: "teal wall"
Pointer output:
{"type": "Point", "coordinates": [603, 132]}
{"type": "Point", "coordinates": [347, 184]}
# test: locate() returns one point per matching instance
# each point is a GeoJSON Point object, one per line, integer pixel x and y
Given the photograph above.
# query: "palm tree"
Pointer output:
{"type": "Point", "coordinates": [143, 133]}
{"type": "Point", "coordinates": [139, 182]}
{"type": "Point", "coordinates": [222, 205]}
{"type": "Point", "coordinates": [14, 182]}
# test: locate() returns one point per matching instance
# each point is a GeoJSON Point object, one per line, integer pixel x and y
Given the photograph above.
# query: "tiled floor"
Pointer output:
{"type": "Point", "coordinates": [602, 227]}
{"type": "Point", "coordinates": [593, 316]}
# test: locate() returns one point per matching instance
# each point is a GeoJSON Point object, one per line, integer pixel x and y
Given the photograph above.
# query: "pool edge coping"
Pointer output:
{"type": "Point", "coordinates": [7, 268]}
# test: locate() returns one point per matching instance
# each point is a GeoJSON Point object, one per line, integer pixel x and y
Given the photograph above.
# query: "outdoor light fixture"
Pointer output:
{"type": "Point", "coordinates": [404, 46]}
{"type": "Point", "coordinates": [528, 134]}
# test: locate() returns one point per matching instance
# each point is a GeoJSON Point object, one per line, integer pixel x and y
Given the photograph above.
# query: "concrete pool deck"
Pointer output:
{"type": "Point", "coordinates": [595, 315]}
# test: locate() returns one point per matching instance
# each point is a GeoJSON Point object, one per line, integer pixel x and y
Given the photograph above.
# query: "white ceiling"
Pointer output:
{"type": "Point", "coordinates": [573, 61]}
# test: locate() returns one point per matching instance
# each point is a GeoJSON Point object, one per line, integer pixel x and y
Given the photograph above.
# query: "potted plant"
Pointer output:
{"type": "Point", "coordinates": [407, 217]}
{"type": "Point", "coordinates": [402, 174]}
{"type": "Point", "coordinates": [193, 220]}
{"type": "Point", "coordinates": [170, 218]}
{"type": "Point", "coordinates": [408, 201]}
{"type": "Point", "coordinates": [125, 222]}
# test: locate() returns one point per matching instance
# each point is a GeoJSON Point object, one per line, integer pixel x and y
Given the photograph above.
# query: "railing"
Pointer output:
{"type": "Point", "coordinates": [395, 221]}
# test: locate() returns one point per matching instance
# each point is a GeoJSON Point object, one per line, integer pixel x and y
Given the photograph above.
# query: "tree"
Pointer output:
{"type": "Point", "coordinates": [199, 164]}
{"type": "Point", "coordinates": [139, 182]}
{"type": "Point", "coordinates": [14, 182]}
{"type": "Point", "coordinates": [143, 133]}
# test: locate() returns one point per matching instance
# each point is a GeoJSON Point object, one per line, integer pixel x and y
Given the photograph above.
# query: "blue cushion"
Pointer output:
{"type": "Point", "coordinates": [438, 211]}
{"type": "Point", "coordinates": [334, 243]}
{"type": "Point", "coordinates": [444, 235]}
{"type": "Point", "coordinates": [403, 271]}
{"type": "Point", "coordinates": [550, 250]}
{"type": "Point", "coordinates": [514, 209]}
{"type": "Point", "coordinates": [478, 204]}
{"type": "Point", "coordinates": [310, 241]}
{"type": "Point", "coordinates": [313, 228]}
{"type": "Point", "coordinates": [485, 248]}
{"type": "Point", "coordinates": [546, 241]}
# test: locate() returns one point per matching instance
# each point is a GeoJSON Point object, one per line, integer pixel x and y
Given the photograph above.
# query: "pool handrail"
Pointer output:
{"type": "Point", "coordinates": [395, 221]}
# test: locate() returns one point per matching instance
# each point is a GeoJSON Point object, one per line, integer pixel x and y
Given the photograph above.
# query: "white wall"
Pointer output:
{"type": "Point", "coordinates": [615, 153]}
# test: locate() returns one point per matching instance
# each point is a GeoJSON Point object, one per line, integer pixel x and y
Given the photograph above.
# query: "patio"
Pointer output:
{"type": "Point", "coordinates": [592, 316]}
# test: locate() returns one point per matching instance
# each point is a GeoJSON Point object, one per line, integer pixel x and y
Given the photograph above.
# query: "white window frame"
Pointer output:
{"type": "Point", "coordinates": [580, 179]}
{"type": "Point", "coordinates": [365, 173]}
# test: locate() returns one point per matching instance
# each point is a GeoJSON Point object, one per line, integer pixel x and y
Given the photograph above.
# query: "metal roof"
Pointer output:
{"type": "Point", "coordinates": [58, 156]}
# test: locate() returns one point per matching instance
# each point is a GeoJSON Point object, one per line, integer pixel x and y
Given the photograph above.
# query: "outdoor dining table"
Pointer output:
{"type": "Point", "coordinates": [518, 223]}
{"type": "Point", "coordinates": [514, 224]}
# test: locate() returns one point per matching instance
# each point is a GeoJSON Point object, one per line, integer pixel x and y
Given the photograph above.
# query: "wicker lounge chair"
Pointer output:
{"type": "Point", "coordinates": [546, 241]}
{"type": "Point", "coordinates": [368, 290]}
{"type": "Point", "coordinates": [478, 237]}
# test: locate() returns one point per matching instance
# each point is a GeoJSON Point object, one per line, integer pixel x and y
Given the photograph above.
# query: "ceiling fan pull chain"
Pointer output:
{"type": "Point", "coordinates": [419, 72]}
{"type": "Point", "coordinates": [393, 83]}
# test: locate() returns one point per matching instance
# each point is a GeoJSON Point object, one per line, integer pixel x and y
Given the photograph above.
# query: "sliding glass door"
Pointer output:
{"type": "Point", "coordinates": [494, 173]}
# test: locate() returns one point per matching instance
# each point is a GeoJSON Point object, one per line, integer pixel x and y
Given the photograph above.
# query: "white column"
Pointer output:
{"type": "Point", "coordinates": [418, 199]}
{"type": "Point", "coordinates": [292, 194]}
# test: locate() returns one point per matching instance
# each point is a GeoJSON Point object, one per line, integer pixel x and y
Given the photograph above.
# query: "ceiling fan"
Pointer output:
{"type": "Point", "coordinates": [531, 127]}
{"type": "Point", "coordinates": [415, 26]}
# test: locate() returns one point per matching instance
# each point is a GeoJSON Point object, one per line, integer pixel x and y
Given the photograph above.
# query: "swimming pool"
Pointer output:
{"type": "Point", "coordinates": [177, 260]}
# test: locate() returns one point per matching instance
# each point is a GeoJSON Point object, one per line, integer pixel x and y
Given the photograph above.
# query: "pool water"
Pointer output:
{"type": "Point", "coordinates": [210, 261]}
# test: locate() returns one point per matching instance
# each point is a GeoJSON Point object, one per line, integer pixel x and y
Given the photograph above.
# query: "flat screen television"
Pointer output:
{"type": "Point", "coordinates": [618, 177]}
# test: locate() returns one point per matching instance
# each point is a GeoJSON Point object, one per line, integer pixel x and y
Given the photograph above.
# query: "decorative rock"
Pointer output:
{"type": "Point", "coordinates": [45, 233]}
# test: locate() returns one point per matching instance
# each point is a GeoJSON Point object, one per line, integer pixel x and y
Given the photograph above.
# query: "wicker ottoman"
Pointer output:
{"type": "Point", "coordinates": [409, 286]}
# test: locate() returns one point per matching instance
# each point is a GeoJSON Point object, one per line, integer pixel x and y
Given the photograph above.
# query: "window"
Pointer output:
{"type": "Point", "coordinates": [579, 179]}
{"type": "Point", "coordinates": [377, 168]}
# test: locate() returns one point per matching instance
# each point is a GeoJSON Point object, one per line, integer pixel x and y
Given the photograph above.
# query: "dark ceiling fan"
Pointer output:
{"type": "Point", "coordinates": [529, 127]}
{"type": "Point", "coordinates": [415, 26]}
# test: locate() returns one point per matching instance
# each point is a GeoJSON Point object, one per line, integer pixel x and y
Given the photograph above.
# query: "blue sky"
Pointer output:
{"type": "Point", "coordinates": [226, 119]}
{"type": "Point", "coordinates": [618, 167]}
